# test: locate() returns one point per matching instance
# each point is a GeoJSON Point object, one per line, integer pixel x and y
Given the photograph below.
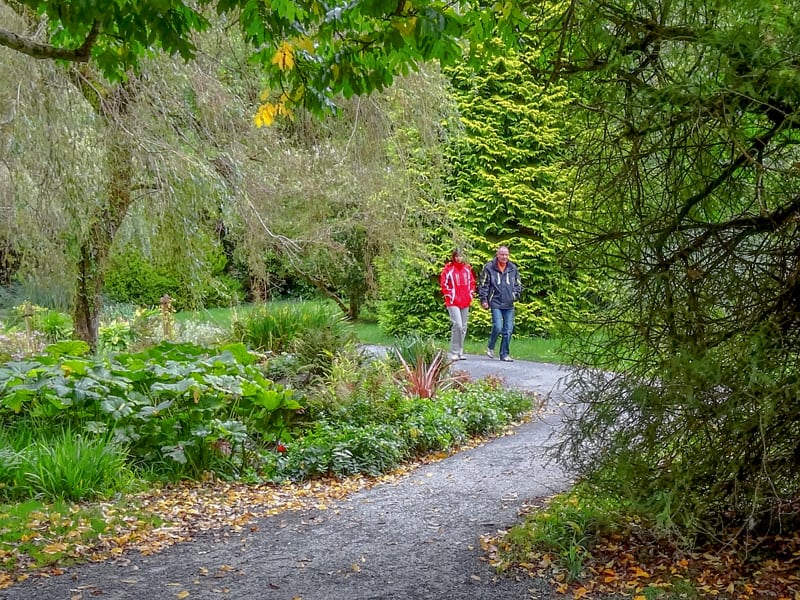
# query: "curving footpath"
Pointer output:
{"type": "Point", "coordinates": [416, 538]}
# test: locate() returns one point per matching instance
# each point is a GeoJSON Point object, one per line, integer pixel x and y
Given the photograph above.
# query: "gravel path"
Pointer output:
{"type": "Point", "coordinates": [416, 538]}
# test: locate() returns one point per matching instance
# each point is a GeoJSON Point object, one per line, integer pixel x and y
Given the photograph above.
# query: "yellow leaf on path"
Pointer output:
{"type": "Point", "coordinates": [181, 595]}
{"type": "Point", "coordinates": [580, 593]}
{"type": "Point", "coordinates": [639, 572]}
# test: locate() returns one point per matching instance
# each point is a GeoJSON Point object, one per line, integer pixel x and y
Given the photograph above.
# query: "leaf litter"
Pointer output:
{"type": "Point", "coordinates": [632, 564]}
{"type": "Point", "coordinates": [151, 521]}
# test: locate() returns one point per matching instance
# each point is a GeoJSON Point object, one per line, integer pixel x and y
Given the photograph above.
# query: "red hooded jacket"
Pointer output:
{"type": "Point", "coordinates": [458, 284]}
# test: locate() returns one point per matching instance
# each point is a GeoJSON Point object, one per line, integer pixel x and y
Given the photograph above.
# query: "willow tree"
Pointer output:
{"type": "Point", "coordinates": [340, 193]}
{"type": "Point", "coordinates": [83, 152]}
{"type": "Point", "coordinates": [310, 53]}
{"type": "Point", "coordinates": [688, 162]}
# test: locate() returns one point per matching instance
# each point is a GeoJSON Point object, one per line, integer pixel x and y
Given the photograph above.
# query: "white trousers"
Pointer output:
{"type": "Point", "coordinates": [458, 330]}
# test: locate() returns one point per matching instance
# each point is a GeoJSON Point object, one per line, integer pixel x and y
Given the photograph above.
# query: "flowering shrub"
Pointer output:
{"type": "Point", "coordinates": [200, 333]}
{"type": "Point", "coordinates": [16, 345]}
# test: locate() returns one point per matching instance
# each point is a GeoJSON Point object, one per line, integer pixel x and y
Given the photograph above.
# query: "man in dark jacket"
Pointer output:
{"type": "Point", "coordinates": [499, 287]}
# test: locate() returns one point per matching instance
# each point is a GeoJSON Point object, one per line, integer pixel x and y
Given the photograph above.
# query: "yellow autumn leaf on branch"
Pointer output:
{"type": "Point", "coordinates": [284, 57]}
{"type": "Point", "coordinates": [304, 43]}
{"type": "Point", "coordinates": [405, 26]}
{"type": "Point", "coordinates": [265, 115]}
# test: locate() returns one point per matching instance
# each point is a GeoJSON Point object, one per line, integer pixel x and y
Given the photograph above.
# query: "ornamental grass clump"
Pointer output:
{"type": "Point", "coordinates": [281, 327]}
{"type": "Point", "coordinates": [73, 467]}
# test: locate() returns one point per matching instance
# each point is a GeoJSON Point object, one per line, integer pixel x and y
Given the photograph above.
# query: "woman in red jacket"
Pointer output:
{"type": "Point", "coordinates": [457, 281]}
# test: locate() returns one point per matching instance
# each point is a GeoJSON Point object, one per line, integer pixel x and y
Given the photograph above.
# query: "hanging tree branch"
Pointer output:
{"type": "Point", "coordinates": [46, 51]}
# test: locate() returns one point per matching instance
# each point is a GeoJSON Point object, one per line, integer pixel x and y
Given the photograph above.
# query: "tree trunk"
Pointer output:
{"type": "Point", "coordinates": [95, 246]}
{"type": "Point", "coordinates": [355, 306]}
{"type": "Point", "coordinates": [86, 309]}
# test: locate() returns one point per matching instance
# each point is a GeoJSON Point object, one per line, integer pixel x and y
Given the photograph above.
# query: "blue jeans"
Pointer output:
{"type": "Point", "coordinates": [502, 327]}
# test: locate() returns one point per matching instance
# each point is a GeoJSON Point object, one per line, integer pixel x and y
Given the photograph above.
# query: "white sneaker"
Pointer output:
{"type": "Point", "coordinates": [490, 353]}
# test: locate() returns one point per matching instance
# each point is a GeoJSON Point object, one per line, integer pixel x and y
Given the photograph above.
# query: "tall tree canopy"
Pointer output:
{"type": "Point", "coordinates": [312, 50]}
{"type": "Point", "coordinates": [504, 184]}
{"type": "Point", "coordinates": [688, 162]}
{"type": "Point", "coordinates": [508, 185]}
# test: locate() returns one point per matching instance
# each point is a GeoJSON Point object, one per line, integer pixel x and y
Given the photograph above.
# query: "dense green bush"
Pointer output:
{"type": "Point", "coordinates": [366, 428]}
{"type": "Point", "coordinates": [134, 280]}
{"type": "Point", "coordinates": [410, 300]}
{"type": "Point", "coordinates": [342, 449]}
{"type": "Point", "coordinates": [431, 426]}
{"type": "Point", "coordinates": [181, 406]}
{"type": "Point", "coordinates": [359, 390]}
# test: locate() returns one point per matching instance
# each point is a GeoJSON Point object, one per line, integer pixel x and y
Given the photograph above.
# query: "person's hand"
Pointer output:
{"type": "Point", "coordinates": [485, 304]}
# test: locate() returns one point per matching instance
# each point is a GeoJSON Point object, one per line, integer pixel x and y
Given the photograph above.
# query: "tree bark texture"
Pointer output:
{"type": "Point", "coordinates": [95, 243]}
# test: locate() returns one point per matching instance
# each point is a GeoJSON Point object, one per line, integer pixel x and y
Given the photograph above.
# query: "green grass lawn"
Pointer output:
{"type": "Point", "coordinates": [221, 317]}
{"type": "Point", "coordinates": [522, 347]}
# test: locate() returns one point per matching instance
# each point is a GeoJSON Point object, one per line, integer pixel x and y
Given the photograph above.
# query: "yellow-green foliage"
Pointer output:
{"type": "Point", "coordinates": [508, 186]}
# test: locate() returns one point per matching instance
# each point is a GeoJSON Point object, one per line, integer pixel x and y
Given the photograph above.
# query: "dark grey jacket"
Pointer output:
{"type": "Point", "coordinates": [499, 289]}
